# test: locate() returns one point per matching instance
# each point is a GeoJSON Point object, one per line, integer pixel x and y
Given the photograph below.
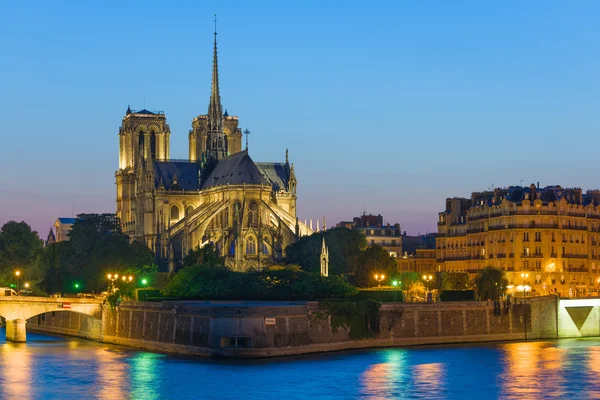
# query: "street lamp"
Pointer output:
{"type": "Point", "coordinates": [127, 279]}
{"type": "Point", "coordinates": [427, 279]}
{"type": "Point", "coordinates": [112, 278]}
{"type": "Point", "coordinates": [524, 276]}
{"type": "Point", "coordinates": [144, 281]}
{"type": "Point", "coordinates": [379, 278]}
{"type": "Point", "coordinates": [395, 284]}
{"type": "Point", "coordinates": [18, 274]}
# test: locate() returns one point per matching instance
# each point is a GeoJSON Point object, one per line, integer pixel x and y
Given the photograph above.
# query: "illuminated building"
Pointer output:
{"type": "Point", "coordinates": [551, 234]}
{"type": "Point", "coordinates": [218, 195]}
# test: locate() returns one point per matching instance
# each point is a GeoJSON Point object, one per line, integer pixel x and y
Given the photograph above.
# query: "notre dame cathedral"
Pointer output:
{"type": "Point", "coordinates": [220, 195]}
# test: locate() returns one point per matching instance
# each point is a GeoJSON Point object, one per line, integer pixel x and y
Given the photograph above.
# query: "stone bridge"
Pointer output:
{"type": "Point", "coordinates": [16, 310]}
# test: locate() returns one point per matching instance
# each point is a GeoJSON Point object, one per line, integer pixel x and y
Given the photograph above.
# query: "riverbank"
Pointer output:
{"type": "Point", "coordinates": [272, 329]}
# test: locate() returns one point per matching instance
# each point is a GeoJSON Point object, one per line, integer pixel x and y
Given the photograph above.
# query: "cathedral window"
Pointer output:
{"type": "Point", "coordinates": [153, 145]}
{"type": "Point", "coordinates": [253, 215]}
{"type": "Point", "coordinates": [232, 248]}
{"type": "Point", "coordinates": [265, 249]}
{"type": "Point", "coordinates": [237, 212]}
{"type": "Point", "coordinates": [174, 212]}
{"type": "Point", "coordinates": [251, 245]}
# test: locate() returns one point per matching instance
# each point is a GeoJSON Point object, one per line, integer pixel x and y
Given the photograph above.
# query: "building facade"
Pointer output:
{"type": "Point", "coordinates": [62, 227]}
{"type": "Point", "coordinates": [218, 195]}
{"type": "Point", "coordinates": [387, 236]}
{"type": "Point", "coordinates": [547, 239]}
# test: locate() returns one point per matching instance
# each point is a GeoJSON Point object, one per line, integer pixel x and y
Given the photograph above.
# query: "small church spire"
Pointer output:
{"type": "Point", "coordinates": [215, 110]}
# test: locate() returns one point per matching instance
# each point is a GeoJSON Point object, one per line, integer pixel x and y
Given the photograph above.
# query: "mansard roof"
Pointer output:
{"type": "Point", "coordinates": [276, 174]}
{"type": "Point", "coordinates": [186, 173]}
{"type": "Point", "coordinates": [236, 169]}
{"type": "Point", "coordinates": [63, 220]}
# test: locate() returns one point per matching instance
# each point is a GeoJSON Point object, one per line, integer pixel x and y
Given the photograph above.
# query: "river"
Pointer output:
{"type": "Point", "coordinates": [49, 367]}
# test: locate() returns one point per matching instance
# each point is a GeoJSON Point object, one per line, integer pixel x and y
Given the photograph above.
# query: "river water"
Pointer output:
{"type": "Point", "coordinates": [49, 367]}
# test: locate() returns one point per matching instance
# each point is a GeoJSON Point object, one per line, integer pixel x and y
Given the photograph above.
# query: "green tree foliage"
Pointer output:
{"type": "Point", "coordinates": [349, 256]}
{"type": "Point", "coordinates": [345, 251]}
{"type": "Point", "coordinates": [375, 260]}
{"type": "Point", "coordinates": [453, 280]}
{"type": "Point", "coordinates": [19, 249]}
{"type": "Point", "coordinates": [219, 283]}
{"type": "Point", "coordinates": [490, 283]}
{"type": "Point", "coordinates": [206, 255]}
{"type": "Point", "coordinates": [96, 247]}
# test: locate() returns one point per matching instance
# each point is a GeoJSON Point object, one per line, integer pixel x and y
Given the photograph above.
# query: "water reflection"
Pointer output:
{"type": "Point", "coordinates": [145, 373]}
{"type": "Point", "coordinates": [15, 364]}
{"type": "Point", "coordinates": [112, 379]}
{"type": "Point", "coordinates": [58, 368]}
{"type": "Point", "coordinates": [429, 379]}
{"type": "Point", "coordinates": [532, 368]}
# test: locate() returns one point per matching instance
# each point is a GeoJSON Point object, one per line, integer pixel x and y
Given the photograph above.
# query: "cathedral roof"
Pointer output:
{"type": "Point", "coordinates": [236, 169]}
{"type": "Point", "coordinates": [144, 111]}
{"type": "Point", "coordinates": [276, 174]}
{"type": "Point", "coordinates": [185, 172]}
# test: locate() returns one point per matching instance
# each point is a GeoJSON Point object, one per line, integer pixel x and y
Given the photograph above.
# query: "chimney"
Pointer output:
{"type": "Point", "coordinates": [532, 190]}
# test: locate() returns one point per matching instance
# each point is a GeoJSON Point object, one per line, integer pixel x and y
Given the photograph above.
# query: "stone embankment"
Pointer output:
{"type": "Point", "coordinates": [236, 329]}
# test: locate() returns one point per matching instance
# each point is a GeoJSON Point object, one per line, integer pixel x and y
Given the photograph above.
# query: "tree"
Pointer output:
{"type": "Point", "coordinates": [345, 252]}
{"type": "Point", "coordinates": [96, 246]}
{"type": "Point", "coordinates": [490, 283]}
{"type": "Point", "coordinates": [375, 260]}
{"type": "Point", "coordinates": [19, 245]}
{"type": "Point", "coordinates": [453, 280]}
{"type": "Point", "coordinates": [206, 255]}
{"type": "Point", "coordinates": [19, 249]}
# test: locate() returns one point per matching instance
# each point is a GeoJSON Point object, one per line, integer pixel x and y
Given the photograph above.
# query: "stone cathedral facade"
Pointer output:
{"type": "Point", "coordinates": [219, 195]}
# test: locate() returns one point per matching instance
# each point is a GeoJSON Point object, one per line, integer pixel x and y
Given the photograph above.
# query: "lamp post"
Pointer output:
{"type": "Point", "coordinates": [112, 278]}
{"type": "Point", "coordinates": [524, 276]}
{"type": "Point", "coordinates": [379, 278]}
{"type": "Point", "coordinates": [127, 279]}
{"type": "Point", "coordinates": [395, 284]}
{"type": "Point", "coordinates": [18, 274]}
{"type": "Point", "coordinates": [427, 279]}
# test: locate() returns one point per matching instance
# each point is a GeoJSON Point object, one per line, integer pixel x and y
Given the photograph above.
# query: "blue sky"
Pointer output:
{"type": "Point", "coordinates": [385, 106]}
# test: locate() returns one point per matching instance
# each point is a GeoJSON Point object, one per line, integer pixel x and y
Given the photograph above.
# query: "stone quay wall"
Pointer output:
{"type": "Point", "coordinates": [276, 329]}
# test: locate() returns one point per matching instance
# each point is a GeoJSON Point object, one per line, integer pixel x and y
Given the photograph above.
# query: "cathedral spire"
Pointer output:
{"type": "Point", "coordinates": [215, 110]}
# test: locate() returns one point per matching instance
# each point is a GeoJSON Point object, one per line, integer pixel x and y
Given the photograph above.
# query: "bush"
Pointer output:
{"type": "Point", "coordinates": [382, 296]}
{"type": "Point", "coordinates": [457, 295]}
{"type": "Point", "coordinates": [219, 283]}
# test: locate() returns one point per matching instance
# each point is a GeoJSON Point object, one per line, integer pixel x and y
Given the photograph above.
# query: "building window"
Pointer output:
{"type": "Point", "coordinates": [525, 265]}
{"type": "Point", "coordinates": [553, 239]}
{"type": "Point", "coordinates": [526, 236]}
{"type": "Point", "coordinates": [265, 249]}
{"type": "Point", "coordinates": [174, 212]}
{"type": "Point", "coordinates": [538, 236]}
{"type": "Point", "coordinates": [252, 215]}
{"type": "Point", "coordinates": [250, 245]}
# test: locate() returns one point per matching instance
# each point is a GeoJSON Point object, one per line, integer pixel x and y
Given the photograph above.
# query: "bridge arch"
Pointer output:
{"type": "Point", "coordinates": [17, 310]}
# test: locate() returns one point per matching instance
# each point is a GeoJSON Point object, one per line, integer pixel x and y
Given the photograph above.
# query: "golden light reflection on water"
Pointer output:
{"type": "Point", "coordinates": [532, 368]}
{"type": "Point", "coordinates": [429, 378]}
{"type": "Point", "coordinates": [381, 380]}
{"type": "Point", "coordinates": [15, 364]}
{"type": "Point", "coordinates": [113, 376]}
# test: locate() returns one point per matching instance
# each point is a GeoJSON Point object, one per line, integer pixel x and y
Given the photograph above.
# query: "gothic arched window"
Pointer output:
{"type": "Point", "coordinates": [253, 215]}
{"type": "Point", "coordinates": [237, 212]}
{"type": "Point", "coordinates": [153, 145]}
{"type": "Point", "coordinates": [251, 245]}
{"type": "Point", "coordinates": [174, 212]}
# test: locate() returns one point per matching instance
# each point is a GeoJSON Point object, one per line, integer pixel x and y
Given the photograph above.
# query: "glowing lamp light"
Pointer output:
{"type": "Point", "coordinates": [144, 281]}
{"type": "Point", "coordinates": [395, 283]}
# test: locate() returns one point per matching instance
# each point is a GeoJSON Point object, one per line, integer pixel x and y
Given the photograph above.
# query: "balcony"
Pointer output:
{"type": "Point", "coordinates": [511, 255]}
{"type": "Point", "coordinates": [553, 255]}
{"type": "Point", "coordinates": [580, 256]}
{"type": "Point", "coordinates": [532, 255]}
{"type": "Point", "coordinates": [478, 230]}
